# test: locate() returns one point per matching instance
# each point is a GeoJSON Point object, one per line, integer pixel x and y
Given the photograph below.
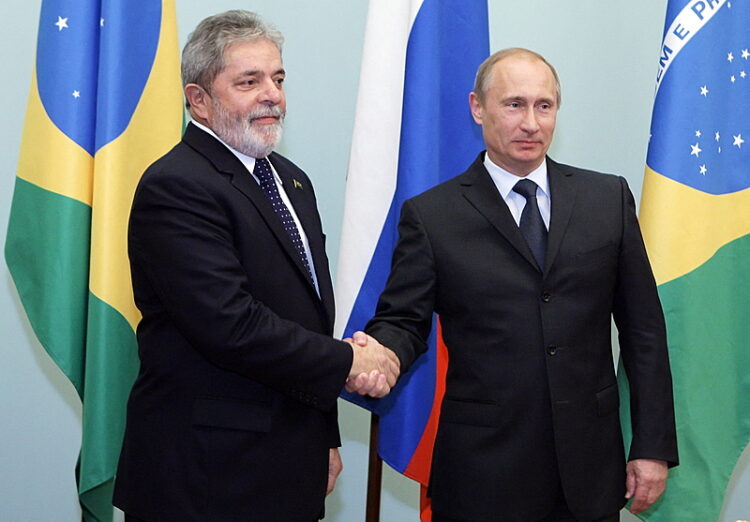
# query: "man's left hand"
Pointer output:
{"type": "Point", "coordinates": [334, 468]}
{"type": "Point", "coordinates": [646, 481]}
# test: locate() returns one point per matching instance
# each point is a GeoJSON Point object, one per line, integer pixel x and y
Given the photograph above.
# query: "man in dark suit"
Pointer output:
{"type": "Point", "coordinates": [525, 284]}
{"type": "Point", "coordinates": [233, 413]}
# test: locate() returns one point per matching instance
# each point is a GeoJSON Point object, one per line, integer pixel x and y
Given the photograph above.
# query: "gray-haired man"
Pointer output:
{"type": "Point", "coordinates": [233, 413]}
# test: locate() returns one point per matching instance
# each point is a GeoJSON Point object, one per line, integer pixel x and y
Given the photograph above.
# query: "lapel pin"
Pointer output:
{"type": "Point", "coordinates": [297, 184]}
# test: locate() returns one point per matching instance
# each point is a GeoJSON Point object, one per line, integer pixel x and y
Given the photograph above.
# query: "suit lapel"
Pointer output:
{"type": "Point", "coordinates": [226, 162]}
{"type": "Point", "coordinates": [301, 199]}
{"type": "Point", "coordinates": [300, 195]}
{"type": "Point", "coordinates": [481, 192]}
{"type": "Point", "coordinates": [563, 195]}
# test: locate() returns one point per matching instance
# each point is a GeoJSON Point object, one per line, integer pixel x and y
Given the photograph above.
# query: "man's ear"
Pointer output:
{"type": "Point", "coordinates": [198, 99]}
{"type": "Point", "coordinates": [476, 107]}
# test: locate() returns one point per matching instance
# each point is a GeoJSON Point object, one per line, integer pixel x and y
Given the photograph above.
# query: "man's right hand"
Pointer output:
{"type": "Point", "coordinates": [375, 368]}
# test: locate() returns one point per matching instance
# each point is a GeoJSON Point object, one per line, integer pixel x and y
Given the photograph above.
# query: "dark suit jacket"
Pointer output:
{"type": "Point", "coordinates": [234, 409]}
{"type": "Point", "coordinates": [531, 393]}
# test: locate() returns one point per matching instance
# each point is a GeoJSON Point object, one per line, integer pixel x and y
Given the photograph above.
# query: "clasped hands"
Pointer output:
{"type": "Point", "coordinates": [375, 368]}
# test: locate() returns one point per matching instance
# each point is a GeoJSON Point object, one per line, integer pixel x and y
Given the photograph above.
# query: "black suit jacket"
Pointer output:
{"type": "Point", "coordinates": [234, 409]}
{"type": "Point", "coordinates": [531, 397]}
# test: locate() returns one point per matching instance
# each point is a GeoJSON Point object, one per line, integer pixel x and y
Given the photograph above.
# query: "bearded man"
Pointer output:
{"type": "Point", "coordinates": [233, 413]}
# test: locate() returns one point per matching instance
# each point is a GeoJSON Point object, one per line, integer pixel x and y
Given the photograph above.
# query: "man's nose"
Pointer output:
{"type": "Point", "coordinates": [272, 94]}
{"type": "Point", "coordinates": [530, 123]}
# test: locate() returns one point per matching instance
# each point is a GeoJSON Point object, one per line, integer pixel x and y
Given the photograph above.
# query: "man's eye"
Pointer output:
{"type": "Point", "coordinates": [279, 81]}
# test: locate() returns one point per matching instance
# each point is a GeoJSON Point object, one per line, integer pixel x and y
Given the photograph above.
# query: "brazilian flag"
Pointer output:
{"type": "Point", "coordinates": [105, 102]}
{"type": "Point", "coordinates": [695, 215]}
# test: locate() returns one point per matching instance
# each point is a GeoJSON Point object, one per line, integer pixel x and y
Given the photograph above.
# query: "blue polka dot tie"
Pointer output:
{"type": "Point", "coordinates": [532, 225]}
{"type": "Point", "coordinates": [264, 173]}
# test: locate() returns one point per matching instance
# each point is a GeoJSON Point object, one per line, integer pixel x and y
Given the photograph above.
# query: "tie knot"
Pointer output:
{"type": "Point", "coordinates": [526, 188]}
{"type": "Point", "coordinates": [262, 169]}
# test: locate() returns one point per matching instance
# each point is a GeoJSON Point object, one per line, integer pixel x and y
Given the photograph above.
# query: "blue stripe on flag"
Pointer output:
{"type": "Point", "coordinates": [448, 41]}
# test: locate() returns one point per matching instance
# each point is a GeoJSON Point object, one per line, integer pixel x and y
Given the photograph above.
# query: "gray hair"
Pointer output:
{"type": "Point", "coordinates": [203, 55]}
{"type": "Point", "coordinates": [484, 73]}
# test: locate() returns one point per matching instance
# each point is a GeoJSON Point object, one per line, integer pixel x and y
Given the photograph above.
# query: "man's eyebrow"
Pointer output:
{"type": "Point", "coordinates": [520, 98]}
{"type": "Point", "coordinates": [255, 72]}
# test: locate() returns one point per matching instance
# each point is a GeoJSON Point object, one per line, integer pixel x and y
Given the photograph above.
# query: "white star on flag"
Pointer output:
{"type": "Point", "coordinates": [738, 140]}
{"type": "Point", "coordinates": [745, 54]}
{"type": "Point", "coordinates": [698, 134]}
{"type": "Point", "coordinates": [76, 94]}
{"type": "Point", "coordinates": [732, 79]}
{"type": "Point", "coordinates": [704, 91]}
{"type": "Point", "coordinates": [717, 136]}
{"type": "Point", "coordinates": [742, 74]}
{"type": "Point", "coordinates": [730, 57]}
{"type": "Point", "coordinates": [696, 150]}
{"type": "Point", "coordinates": [703, 169]}
{"type": "Point", "coordinates": [62, 23]}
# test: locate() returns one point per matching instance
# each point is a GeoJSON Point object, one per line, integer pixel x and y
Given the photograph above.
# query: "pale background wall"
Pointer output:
{"type": "Point", "coordinates": [605, 53]}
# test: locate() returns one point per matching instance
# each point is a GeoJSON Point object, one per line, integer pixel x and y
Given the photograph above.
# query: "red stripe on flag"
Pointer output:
{"type": "Point", "coordinates": [425, 505]}
{"type": "Point", "coordinates": [419, 465]}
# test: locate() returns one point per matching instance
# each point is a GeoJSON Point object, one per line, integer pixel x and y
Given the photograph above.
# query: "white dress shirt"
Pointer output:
{"type": "Point", "coordinates": [249, 163]}
{"type": "Point", "coordinates": [505, 181]}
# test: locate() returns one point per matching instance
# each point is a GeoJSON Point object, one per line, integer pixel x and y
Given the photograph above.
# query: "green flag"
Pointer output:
{"type": "Point", "coordinates": [105, 102]}
{"type": "Point", "coordinates": [695, 215]}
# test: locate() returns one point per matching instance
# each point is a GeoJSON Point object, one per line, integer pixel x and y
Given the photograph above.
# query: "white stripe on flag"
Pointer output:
{"type": "Point", "coordinates": [373, 161]}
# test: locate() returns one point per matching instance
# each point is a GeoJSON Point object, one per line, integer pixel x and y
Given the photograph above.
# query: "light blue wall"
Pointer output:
{"type": "Point", "coordinates": [605, 53]}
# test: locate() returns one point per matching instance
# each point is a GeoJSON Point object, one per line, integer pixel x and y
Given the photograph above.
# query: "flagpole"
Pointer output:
{"type": "Point", "coordinates": [374, 474]}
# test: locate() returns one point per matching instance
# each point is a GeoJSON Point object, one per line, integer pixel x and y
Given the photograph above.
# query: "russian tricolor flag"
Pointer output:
{"type": "Point", "coordinates": [413, 130]}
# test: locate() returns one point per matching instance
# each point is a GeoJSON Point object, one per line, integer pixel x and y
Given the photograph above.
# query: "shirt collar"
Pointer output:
{"type": "Point", "coordinates": [505, 181]}
{"type": "Point", "coordinates": [247, 161]}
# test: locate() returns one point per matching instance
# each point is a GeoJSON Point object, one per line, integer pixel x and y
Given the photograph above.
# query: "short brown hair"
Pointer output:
{"type": "Point", "coordinates": [484, 73]}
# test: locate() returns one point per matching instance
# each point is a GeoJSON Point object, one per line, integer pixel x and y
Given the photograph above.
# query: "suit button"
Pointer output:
{"type": "Point", "coordinates": [552, 349]}
{"type": "Point", "coordinates": [546, 296]}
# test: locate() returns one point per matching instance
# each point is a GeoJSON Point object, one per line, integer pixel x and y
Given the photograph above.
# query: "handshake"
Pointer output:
{"type": "Point", "coordinates": [375, 368]}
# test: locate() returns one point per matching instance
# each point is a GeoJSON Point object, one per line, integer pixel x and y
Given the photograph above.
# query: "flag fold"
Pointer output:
{"type": "Point", "coordinates": [105, 102]}
{"type": "Point", "coordinates": [413, 129]}
{"type": "Point", "coordinates": [695, 216]}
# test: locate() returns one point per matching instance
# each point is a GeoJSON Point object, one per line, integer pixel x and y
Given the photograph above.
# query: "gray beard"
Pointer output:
{"type": "Point", "coordinates": [238, 131]}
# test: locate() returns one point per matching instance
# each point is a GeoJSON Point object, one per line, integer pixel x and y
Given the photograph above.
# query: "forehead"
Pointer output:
{"type": "Point", "coordinates": [253, 54]}
{"type": "Point", "coordinates": [523, 76]}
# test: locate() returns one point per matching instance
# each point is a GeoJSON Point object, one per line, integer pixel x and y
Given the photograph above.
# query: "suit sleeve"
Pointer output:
{"type": "Point", "coordinates": [180, 238]}
{"type": "Point", "coordinates": [403, 318]}
{"type": "Point", "coordinates": [643, 347]}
